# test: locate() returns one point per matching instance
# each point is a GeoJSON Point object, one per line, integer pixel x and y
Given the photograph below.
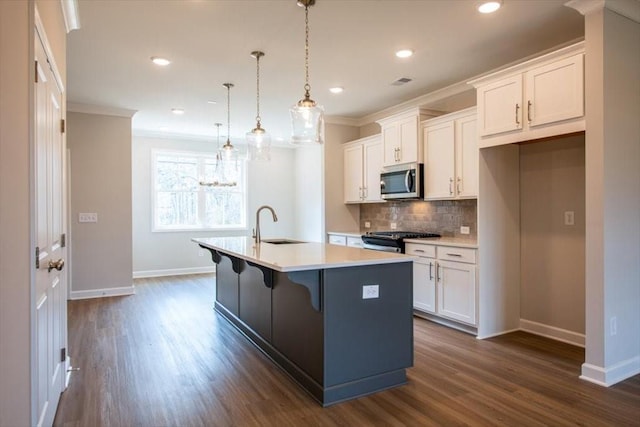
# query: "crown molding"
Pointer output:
{"type": "Point", "coordinates": [627, 8]}
{"type": "Point", "coordinates": [76, 107]}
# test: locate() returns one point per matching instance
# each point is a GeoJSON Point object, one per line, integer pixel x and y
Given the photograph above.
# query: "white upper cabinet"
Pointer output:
{"type": "Point", "coordinates": [401, 138]}
{"type": "Point", "coordinates": [500, 106]}
{"type": "Point", "coordinates": [362, 166]}
{"type": "Point", "coordinates": [539, 98]}
{"type": "Point", "coordinates": [451, 156]}
{"type": "Point", "coordinates": [555, 91]}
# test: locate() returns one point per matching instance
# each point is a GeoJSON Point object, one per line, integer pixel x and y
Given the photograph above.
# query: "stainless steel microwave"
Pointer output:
{"type": "Point", "coordinates": [402, 181]}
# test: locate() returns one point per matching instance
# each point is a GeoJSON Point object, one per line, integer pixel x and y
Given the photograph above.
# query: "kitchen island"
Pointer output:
{"type": "Point", "coordinates": [337, 319]}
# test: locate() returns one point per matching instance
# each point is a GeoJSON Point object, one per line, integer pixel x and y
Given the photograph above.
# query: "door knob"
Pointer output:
{"type": "Point", "coordinates": [58, 265]}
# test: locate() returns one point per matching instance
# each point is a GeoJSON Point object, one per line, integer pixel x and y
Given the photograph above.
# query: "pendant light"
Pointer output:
{"type": "Point", "coordinates": [258, 140]}
{"type": "Point", "coordinates": [307, 117]}
{"type": "Point", "coordinates": [228, 153]}
{"type": "Point", "coordinates": [218, 178]}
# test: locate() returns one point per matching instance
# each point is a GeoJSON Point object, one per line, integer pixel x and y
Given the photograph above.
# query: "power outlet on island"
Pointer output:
{"type": "Point", "coordinates": [370, 291]}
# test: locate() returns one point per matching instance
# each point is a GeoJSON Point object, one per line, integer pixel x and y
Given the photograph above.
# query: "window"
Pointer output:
{"type": "Point", "coordinates": [181, 203]}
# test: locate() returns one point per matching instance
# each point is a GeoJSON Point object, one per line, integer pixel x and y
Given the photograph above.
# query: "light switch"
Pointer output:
{"type": "Point", "coordinates": [88, 217]}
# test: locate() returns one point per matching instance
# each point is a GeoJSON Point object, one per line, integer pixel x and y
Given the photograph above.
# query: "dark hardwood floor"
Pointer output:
{"type": "Point", "coordinates": [164, 358]}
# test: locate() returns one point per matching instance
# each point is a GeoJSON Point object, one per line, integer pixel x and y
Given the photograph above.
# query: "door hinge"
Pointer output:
{"type": "Point", "coordinates": [37, 257]}
{"type": "Point", "coordinates": [63, 240]}
{"type": "Point", "coordinates": [63, 354]}
{"type": "Point", "coordinates": [62, 126]}
{"type": "Point", "coordinates": [36, 73]}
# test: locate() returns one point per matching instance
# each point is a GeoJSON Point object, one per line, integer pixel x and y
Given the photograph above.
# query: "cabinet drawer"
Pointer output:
{"type": "Point", "coordinates": [354, 242]}
{"type": "Point", "coordinates": [449, 253]}
{"type": "Point", "coordinates": [420, 250]}
{"type": "Point", "coordinates": [337, 240]}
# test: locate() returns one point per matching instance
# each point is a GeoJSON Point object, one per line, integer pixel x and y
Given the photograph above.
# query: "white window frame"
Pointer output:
{"type": "Point", "coordinates": [201, 158]}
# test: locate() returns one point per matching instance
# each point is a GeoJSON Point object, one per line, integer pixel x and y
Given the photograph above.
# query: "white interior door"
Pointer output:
{"type": "Point", "coordinates": [51, 283]}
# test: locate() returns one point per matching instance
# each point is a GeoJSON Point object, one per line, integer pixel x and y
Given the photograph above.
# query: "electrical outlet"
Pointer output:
{"type": "Point", "coordinates": [88, 217]}
{"type": "Point", "coordinates": [569, 218]}
{"type": "Point", "coordinates": [393, 225]}
{"type": "Point", "coordinates": [367, 224]}
{"type": "Point", "coordinates": [464, 230]}
{"type": "Point", "coordinates": [613, 325]}
{"type": "Point", "coordinates": [370, 291]}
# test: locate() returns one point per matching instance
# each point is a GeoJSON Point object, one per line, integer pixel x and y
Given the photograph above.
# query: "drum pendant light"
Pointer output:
{"type": "Point", "coordinates": [258, 140]}
{"type": "Point", "coordinates": [307, 117]}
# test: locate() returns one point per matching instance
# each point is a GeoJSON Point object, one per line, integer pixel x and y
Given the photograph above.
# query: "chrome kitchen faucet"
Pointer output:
{"type": "Point", "coordinates": [256, 231]}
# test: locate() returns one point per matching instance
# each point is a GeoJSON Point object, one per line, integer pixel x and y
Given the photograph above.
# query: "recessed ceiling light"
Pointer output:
{"type": "Point", "coordinates": [336, 89]}
{"type": "Point", "coordinates": [212, 102]}
{"type": "Point", "coordinates": [177, 111]}
{"type": "Point", "coordinates": [404, 53]}
{"type": "Point", "coordinates": [489, 6]}
{"type": "Point", "coordinates": [163, 62]}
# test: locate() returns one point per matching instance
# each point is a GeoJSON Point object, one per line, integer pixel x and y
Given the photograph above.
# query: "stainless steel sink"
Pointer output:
{"type": "Point", "coordinates": [281, 241]}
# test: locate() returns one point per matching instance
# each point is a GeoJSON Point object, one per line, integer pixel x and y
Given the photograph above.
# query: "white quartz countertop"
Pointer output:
{"type": "Point", "coordinates": [299, 256]}
{"type": "Point", "coordinates": [446, 241]}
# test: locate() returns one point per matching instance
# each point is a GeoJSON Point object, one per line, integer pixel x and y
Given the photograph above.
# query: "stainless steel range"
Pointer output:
{"type": "Point", "coordinates": [391, 241]}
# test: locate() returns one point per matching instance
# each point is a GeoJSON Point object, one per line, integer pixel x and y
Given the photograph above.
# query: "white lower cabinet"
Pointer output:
{"type": "Point", "coordinates": [456, 290]}
{"type": "Point", "coordinates": [444, 281]}
{"type": "Point", "coordinates": [353, 240]}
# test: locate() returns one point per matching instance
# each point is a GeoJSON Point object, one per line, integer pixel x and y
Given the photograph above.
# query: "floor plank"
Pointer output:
{"type": "Point", "coordinates": [163, 357]}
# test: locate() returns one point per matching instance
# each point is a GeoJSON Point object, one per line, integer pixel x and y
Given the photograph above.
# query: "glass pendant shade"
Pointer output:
{"type": "Point", "coordinates": [307, 121]}
{"type": "Point", "coordinates": [258, 145]}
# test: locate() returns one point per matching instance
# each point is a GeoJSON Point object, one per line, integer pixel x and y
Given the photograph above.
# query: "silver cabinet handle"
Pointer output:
{"type": "Point", "coordinates": [366, 192]}
{"type": "Point", "coordinates": [529, 111]}
{"type": "Point", "coordinates": [418, 250]}
{"type": "Point", "coordinates": [459, 181]}
{"type": "Point", "coordinates": [430, 273]}
{"type": "Point", "coordinates": [451, 186]}
{"type": "Point", "coordinates": [456, 255]}
{"type": "Point", "coordinates": [438, 273]}
{"type": "Point", "coordinates": [517, 109]}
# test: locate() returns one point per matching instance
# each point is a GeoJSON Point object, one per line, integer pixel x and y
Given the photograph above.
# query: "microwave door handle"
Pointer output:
{"type": "Point", "coordinates": [407, 181]}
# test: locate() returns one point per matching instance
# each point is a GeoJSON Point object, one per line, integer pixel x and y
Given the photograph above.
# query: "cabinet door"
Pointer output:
{"type": "Point", "coordinates": [456, 284]}
{"type": "Point", "coordinates": [500, 106]}
{"type": "Point", "coordinates": [391, 143]}
{"type": "Point", "coordinates": [409, 148]}
{"type": "Point", "coordinates": [439, 161]}
{"type": "Point", "coordinates": [424, 285]}
{"type": "Point", "coordinates": [353, 167]}
{"type": "Point", "coordinates": [555, 91]}
{"type": "Point", "coordinates": [372, 166]}
{"type": "Point", "coordinates": [467, 154]}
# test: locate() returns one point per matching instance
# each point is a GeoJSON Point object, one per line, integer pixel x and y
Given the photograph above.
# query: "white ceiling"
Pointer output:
{"type": "Point", "coordinates": [352, 45]}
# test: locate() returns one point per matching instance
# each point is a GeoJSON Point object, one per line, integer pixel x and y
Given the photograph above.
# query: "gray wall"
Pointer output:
{"type": "Point", "coordinates": [613, 199]}
{"type": "Point", "coordinates": [552, 181]}
{"type": "Point", "coordinates": [101, 253]}
{"type": "Point", "coordinates": [164, 253]}
{"type": "Point", "coordinates": [339, 217]}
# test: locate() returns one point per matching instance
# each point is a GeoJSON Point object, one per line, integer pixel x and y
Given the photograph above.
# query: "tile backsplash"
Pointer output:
{"type": "Point", "coordinates": [444, 217]}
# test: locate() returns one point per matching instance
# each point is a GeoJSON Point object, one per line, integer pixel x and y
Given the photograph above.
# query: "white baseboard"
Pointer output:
{"type": "Point", "coordinates": [496, 334]}
{"type": "Point", "coordinates": [173, 272]}
{"type": "Point", "coordinates": [106, 292]}
{"type": "Point", "coordinates": [614, 374]}
{"type": "Point", "coordinates": [552, 332]}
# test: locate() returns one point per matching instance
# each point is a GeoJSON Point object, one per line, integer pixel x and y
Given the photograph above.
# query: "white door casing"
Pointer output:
{"type": "Point", "coordinates": [50, 276]}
